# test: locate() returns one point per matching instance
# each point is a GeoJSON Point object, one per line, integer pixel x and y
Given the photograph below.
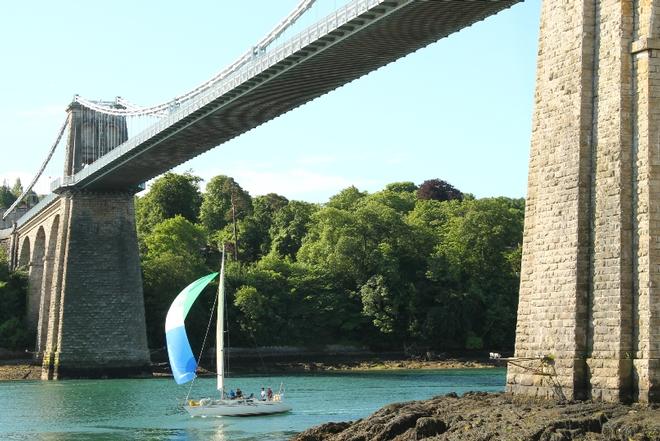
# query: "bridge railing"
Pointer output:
{"type": "Point", "coordinates": [258, 64]}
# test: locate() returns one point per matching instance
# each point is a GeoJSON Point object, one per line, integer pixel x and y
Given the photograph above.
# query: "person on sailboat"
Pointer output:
{"type": "Point", "coordinates": [269, 394]}
{"type": "Point", "coordinates": [262, 395]}
{"type": "Point", "coordinates": [239, 393]}
{"type": "Point", "coordinates": [232, 395]}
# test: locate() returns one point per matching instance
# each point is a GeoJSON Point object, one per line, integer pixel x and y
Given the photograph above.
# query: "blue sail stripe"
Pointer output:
{"type": "Point", "coordinates": [182, 361]}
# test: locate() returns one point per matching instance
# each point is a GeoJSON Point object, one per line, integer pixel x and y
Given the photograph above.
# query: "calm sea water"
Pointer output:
{"type": "Point", "coordinates": [149, 409]}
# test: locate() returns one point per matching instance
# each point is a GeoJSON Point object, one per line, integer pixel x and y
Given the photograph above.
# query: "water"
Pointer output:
{"type": "Point", "coordinates": [149, 409]}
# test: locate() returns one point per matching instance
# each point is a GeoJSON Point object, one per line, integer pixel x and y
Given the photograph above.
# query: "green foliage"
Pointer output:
{"type": "Point", "coordinates": [6, 196]}
{"type": "Point", "coordinates": [346, 199]}
{"type": "Point", "coordinates": [170, 195]}
{"type": "Point", "coordinates": [379, 304]}
{"type": "Point", "coordinates": [402, 187]}
{"type": "Point", "coordinates": [388, 270]}
{"type": "Point", "coordinates": [173, 259]}
{"type": "Point", "coordinates": [473, 341]}
{"type": "Point", "coordinates": [222, 192]}
{"type": "Point", "coordinates": [13, 297]}
{"type": "Point", "coordinates": [17, 188]}
{"type": "Point", "coordinates": [253, 231]}
{"type": "Point", "coordinates": [176, 236]}
{"type": "Point", "coordinates": [289, 227]}
{"type": "Point", "coordinates": [477, 258]}
{"type": "Point", "coordinates": [401, 202]}
{"type": "Point", "coordinates": [14, 335]}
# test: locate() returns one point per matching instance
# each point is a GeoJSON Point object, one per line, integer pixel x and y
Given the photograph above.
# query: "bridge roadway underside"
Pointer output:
{"type": "Point", "coordinates": [380, 36]}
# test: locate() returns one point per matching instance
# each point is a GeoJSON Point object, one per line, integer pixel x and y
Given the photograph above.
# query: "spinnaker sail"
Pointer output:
{"type": "Point", "coordinates": [182, 361]}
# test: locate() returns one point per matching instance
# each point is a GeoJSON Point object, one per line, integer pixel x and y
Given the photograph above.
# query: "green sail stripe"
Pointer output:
{"type": "Point", "coordinates": [194, 290]}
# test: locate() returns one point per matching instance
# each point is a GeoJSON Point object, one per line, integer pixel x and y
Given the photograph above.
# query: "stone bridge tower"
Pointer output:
{"type": "Point", "coordinates": [91, 313]}
{"type": "Point", "coordinates": [590, 282]}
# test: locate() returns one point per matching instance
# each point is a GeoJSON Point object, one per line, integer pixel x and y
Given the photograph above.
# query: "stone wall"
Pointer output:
{"type": "Point", "coordinates": [97, 326]}
{"type": "Point", "coordinates": [586, 296]}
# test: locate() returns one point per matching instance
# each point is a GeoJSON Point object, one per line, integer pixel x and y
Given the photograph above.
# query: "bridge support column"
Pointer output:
{"type": "Point", "coordinates": [590, 280]}
{"type": "Point", "coordinates": [96, 324]}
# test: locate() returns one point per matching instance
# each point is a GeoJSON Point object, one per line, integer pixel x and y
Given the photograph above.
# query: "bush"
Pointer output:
{"type": "Point", "coordinates": [13, 297]}
{"type": "Point", "coordinates": [473, 341]}
{"type": "Point", "coordinates": [14, 335]}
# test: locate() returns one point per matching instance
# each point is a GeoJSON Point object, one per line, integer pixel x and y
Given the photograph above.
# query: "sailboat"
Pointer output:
{"type": "Point", "coordinates": [184, 365]}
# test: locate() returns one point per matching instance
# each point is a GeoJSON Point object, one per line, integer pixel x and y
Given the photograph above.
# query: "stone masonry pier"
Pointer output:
{"type": "Point", "coordinates": [589, 295]}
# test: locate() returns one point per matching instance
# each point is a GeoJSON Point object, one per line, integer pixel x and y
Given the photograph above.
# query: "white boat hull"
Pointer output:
{"type": "Point", "coordinates": [207, 407]}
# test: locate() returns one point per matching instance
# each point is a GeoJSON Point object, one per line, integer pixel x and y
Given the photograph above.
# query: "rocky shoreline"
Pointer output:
{"type": "Point", "coordinates": [27, 369]}
{"type": "Point", "coordinates": [480, 416]}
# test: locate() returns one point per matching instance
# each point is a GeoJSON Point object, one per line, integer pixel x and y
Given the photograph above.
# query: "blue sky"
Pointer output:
{"type": "Point", "coordinates": [459, 110]}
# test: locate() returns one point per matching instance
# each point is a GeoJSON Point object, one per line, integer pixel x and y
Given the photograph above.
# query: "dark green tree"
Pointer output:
{"type": "Point", "coordinates": [174, 258]}
{"type": "Point", "coordinates": [222, 193]}
{"type": "Point", "coordinates": [6, 196]}
{"type": "Point", "coordinates": [170, 195]}
{"type": "Point", "coordinates": [254, 230]}
{"type": "Point", "coordinates": [477, 264]}
{"type": "Point", "coordinates": [13, 301]}
{"type": "Point", "coordinates": [289, 227]}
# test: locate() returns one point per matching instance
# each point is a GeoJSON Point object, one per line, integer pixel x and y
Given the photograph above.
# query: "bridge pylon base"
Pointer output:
{"type": "Point", "coordinates": [96, 323]}
{"type": "Point", "coordinates": [590, 273]}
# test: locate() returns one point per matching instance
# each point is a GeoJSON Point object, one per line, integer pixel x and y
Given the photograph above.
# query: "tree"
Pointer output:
{"type": "Point", "coordinates": [402, 202]}
{"type": "Point", "coordinates": [255, 231]}
{"type": "Point", "coordinates": [173, 259]}
{"type": "Point", "coordinates": [402, 187]}
{"type": "Point", "coordinates": [438, 190]}
{"type": "Point", "coordinates": [477, 261]}
{"type": "Point", "coordinates": [379, 304]}
{"type": "Point", "coordinates": [17, 189]}
{"type": "Point", "coordinates": [13, 303]}
{"type": "Point", "coordinates": [223, 193]}
{"type": "Point", "coordinates": [170, 195]}
{"type": "Point", "coordinates": [346, 199]}
{"type": "Point", "coordinates": [6, 196]}
{"type": "Point", "coordinates": [290, 225]}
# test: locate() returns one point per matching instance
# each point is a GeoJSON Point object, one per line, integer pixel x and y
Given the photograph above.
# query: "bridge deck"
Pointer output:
{"type": "Point", "coordinates": [334, 52]}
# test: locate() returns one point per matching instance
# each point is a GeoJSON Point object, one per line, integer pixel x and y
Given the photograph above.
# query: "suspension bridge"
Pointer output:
{"type": "Point", "coordinates": [79, 242]}
{"type": "Point", "coordinates": [589, 302]}
{"type": "Point", "coordinates": [262, 84]}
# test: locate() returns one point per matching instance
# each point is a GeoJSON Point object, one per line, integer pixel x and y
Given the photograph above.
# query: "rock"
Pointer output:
{"type": "Point", "coordinates": [429, 426]}
{"type": "Point", "coordinates": [494, 417]}
{"type": "Point", "coordinates": [322, 432]}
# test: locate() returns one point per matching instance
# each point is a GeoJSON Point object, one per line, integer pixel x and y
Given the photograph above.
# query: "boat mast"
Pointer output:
{"type": "Point", "coordinates": [219, 328]}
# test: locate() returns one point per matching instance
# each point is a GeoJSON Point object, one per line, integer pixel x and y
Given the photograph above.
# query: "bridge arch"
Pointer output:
{"type": "Point", "coordinates": [35, 279]}
{"type": "Point", "coordinates": [24, 254]}
{"type": "Point", "coordinates": [48, 279]}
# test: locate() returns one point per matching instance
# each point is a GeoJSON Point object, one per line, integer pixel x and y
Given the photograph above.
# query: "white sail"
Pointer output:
{"type": "Point", "coordinates": [219, 328]}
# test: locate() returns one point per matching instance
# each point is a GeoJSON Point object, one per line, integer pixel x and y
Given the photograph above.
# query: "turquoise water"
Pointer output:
{"type": "Point", "coordinates": [149, 409]}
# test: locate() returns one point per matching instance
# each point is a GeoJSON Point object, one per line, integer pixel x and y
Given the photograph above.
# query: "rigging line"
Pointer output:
{"type": "Point", "coordinates": [201, 351]}
{"type": "Point", "coordinates": [162, 108]}
{"type": "Point", "coordinates": [41, 170]}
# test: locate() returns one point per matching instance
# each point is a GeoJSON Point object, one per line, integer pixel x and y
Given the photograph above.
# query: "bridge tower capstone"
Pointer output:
{"type": "Point", "coordinates": [95, 322]}
{"type": "Point", "coordinates": [590, 279]}
{"type": "Point", "coordinates": [92, 135]}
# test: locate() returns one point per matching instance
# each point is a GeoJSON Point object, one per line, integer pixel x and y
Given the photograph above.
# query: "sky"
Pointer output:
{"type": "Point", "coordinates": [458, 110]}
